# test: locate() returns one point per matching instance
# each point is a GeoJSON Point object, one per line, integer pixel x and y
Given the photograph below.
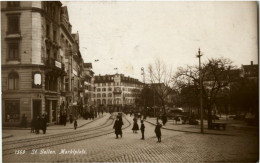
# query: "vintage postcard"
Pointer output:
{"type": "Point", "coordinates": [129, 81]}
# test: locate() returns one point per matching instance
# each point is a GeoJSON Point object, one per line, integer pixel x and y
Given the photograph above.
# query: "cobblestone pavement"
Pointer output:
{"type": "Point", "coordinates": [175, 147]}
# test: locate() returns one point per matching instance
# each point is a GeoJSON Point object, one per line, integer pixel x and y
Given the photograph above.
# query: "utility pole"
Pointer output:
{"type": "Point", "coordinates": [142, 69]}
{"type": "Point", "coordinates": [201, 100]}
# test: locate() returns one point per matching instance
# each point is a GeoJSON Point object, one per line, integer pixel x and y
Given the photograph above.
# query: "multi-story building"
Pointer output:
{"type": "Point", "coordinates": [250, 72]}
{"type": "Point", "coordinates": [33, 57]}
{"type": "Point", "coordinates": [116, 91]}
{"type": "Point", "coordinates": [88, 85]}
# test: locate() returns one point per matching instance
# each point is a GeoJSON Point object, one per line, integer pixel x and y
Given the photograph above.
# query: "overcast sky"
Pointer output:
{"type": "Point", "coordinates": [129, 35]}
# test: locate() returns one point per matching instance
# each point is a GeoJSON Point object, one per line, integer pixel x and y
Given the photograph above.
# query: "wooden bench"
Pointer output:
{"type": "Point", "coordinates": [218, 125]}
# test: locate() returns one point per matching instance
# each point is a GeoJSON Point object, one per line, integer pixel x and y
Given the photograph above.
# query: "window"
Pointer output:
{"type": "Point", "coordinates": [13, 24]}
{"type": "Point", "coordinates": [13, 79]}
{"type": "Point", "coordinates": [103, 95]}
{"type": "Point", "coordinates": [110, 95]}
{"type": "Point", "coordinates": [109, 89]}
{"type": "Point", "coordinates": [103, 101]}
{"type": "Point", "coordinates": [98, 101]}
{"type": "Point", "coordinates": [98, 95]}
{"type": "Point", "coordinates": [13, 4]}
{"type": "Point", "coordinates": [103, 89]}
{"type": "Point", "coordinates": [103, 84]}
{"type": "Point", "coordinates": [12, 111]}
{"type": "Point", "coordinates": [98, 90]}
{"type": "Point", "coordinates": [13, 51]}
{"type": "Point", "coordinates": [37, 80]}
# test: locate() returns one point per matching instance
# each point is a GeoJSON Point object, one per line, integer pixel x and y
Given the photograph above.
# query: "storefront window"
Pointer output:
{"type": "Point", "coordinates": [12, 111]}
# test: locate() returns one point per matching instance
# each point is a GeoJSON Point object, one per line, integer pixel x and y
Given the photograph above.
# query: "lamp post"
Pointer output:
{"type": "Point", "coordinates": [201, 100]}
{"type": "Point", "coordinates": [142, 69]}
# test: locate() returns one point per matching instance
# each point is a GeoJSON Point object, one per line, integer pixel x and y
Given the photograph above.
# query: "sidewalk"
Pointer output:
{"type": "Point", "coordinates": [12, 133]}
{"type": "Point", "coordinates": [233, 127]}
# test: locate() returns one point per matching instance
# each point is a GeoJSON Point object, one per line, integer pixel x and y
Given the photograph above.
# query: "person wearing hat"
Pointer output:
{"type": "Point", "coordinates": [142, 129]}
{"type": "Point", "coordinates": [118, 127]}
{"type": "Point", "coordinates": [158, 131]}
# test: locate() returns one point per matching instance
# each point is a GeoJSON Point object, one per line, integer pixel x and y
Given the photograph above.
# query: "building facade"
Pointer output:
{"type": "Point", "coordinates": [34, 46]}
{"type": "Point", "coordinates": [88, 75]}
{"type": "Point", "coordinates": [116, 91]}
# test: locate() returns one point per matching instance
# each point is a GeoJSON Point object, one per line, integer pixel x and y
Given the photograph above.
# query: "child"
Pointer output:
{"type": "Point", "coordinates": [158, 131]}
{"type": "Point", "coordinates": [75, 124]}
{"type": "Point", "coordinates": [142, 129]}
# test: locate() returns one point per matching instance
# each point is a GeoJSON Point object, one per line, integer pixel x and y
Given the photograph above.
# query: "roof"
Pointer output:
{"type": "Point", "coordinates": [250, 70]}
{"type": "Point", "coordinates": [88, 65]}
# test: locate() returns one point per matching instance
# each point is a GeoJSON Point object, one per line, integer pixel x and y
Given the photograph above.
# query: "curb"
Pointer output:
{"type": "Point", "coordinates": [17, 128]}
{"type": "Point", "coordinates": [194, 132]}
{"type": "Point", "coordinates": [8, 136]}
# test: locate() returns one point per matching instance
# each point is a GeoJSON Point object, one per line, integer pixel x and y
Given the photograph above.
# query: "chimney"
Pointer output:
{"type": "Point", "coordinates": [252, 63]}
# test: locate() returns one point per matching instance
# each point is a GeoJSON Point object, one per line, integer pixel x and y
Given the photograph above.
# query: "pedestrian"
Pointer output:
{"type": "Point", "coordinates": [158, 131]}
{"type": "Point", "coordinates": [71, 119]}
{"type": "Point", "coordinates": [142, 129]}
{"type": "Point", "coordinates": [75, 124]}
{"type": "Point", "coordinates": [135, 126]}
{"type": "Point", "coordinates": [33, 125]}
{"type": "Point", "coordinates": [37, 124]}
{"type": "Point", "coordinates": [164, 118]}
{"type": "Point", "coordinates": [44, 124]}
{"type": "Point", "coordinates": [118, 127]}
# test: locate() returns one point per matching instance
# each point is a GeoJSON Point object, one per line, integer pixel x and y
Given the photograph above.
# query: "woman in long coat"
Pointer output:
{"type": "Point", "coordinates": [118, 127]}
{"type": "Point", "coordinates": [135, 126]}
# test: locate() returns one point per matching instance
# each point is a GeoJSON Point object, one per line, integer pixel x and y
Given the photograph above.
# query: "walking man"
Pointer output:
{"type": "Point", "coordinates": [118, 127]}
{"type": "Point", "coordinates": [44, 124]}
{"type": "Point", "coordinates": [75, 124]}
{"type": "Point", "coordinates": [158, 131]}
{"type": "Point", "coordinates": [142, 129]}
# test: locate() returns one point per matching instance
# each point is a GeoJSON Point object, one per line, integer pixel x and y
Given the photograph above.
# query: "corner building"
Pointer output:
{"type": "Point", "coordinates": [33, 69]}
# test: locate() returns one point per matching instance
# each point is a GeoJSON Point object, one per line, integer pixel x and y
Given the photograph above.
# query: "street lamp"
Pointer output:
{"type": "Point", "coordinates": [201, 100]}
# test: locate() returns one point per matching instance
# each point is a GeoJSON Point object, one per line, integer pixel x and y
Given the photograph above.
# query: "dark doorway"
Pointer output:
{"type": "Point", "coordinates": [37, 107]}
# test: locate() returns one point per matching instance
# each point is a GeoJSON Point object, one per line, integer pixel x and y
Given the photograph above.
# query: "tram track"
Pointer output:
{"type": "Point", "coordinates": [54, 140]}
{"type": "Point", "coordinates": [55, 135]}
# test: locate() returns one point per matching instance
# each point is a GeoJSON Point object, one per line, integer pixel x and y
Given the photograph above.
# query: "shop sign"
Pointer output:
{"type": "Point", "coordinates": [57, 64]}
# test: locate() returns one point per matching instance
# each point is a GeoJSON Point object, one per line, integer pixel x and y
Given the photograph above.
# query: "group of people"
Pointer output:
{"type": "Point", "coordinates": [39, 123]}
{"type": "Point", "coordinates": [119, 123]}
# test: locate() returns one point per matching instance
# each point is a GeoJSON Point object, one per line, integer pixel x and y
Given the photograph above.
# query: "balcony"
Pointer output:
{"type": "Point", "coordinates": [117, 90]}
{"type": "Point", "coordinates": [54, 64]}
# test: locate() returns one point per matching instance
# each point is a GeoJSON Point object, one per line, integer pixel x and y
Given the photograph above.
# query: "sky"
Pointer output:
{"type": "Point", "coordinates": [130, 35]}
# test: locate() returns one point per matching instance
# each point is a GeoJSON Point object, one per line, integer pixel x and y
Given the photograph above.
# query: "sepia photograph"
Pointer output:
{"type": "Point", "coordinates": [130, 81]}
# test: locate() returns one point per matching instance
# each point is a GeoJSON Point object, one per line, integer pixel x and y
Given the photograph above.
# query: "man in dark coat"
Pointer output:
{"type": "Point", "coordinates": [158, 131]}
{"type": "Point", "coordinates": [142, 129]}
{"type": "Point", "coordinates": [164, 119]}
{"type": "Point", "coordinates": [118, 127]}
{"type": "Point", "coordinates": [37, 124]}
{"type": "Point", "coordinates": [44, 123]}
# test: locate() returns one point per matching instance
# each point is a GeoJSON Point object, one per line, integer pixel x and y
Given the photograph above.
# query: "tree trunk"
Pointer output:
{"type": "Point", "coordinates": [209, 117]}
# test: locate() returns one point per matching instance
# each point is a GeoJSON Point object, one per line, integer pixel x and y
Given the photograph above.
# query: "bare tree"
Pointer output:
{"type": "Point", "coordinates": [216, 76]}
{"type": "Point", "coordinates": [161, 80]}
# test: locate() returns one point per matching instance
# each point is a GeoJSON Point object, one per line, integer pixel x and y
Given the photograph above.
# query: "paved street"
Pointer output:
{"type": "Point", "coordinates": [175, 147]}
